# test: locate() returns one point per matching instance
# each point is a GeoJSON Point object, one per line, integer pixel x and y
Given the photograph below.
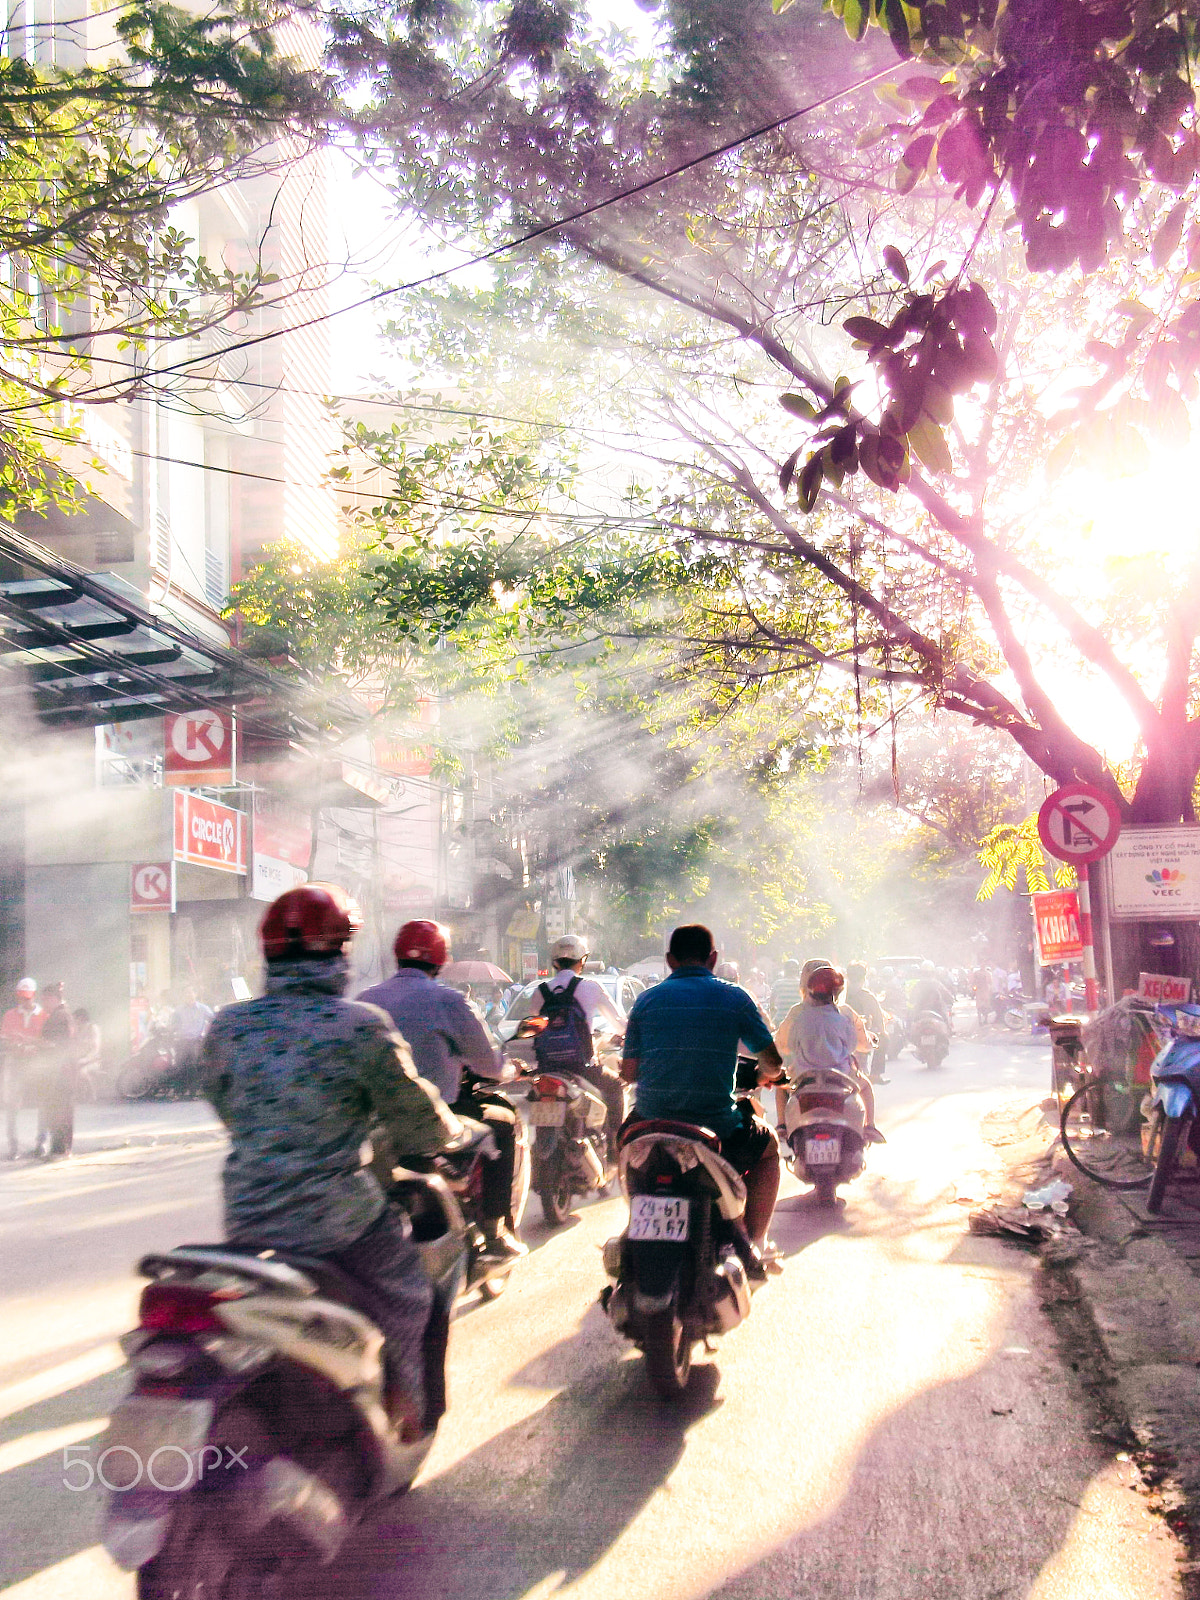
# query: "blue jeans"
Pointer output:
{"type": "Point", "coordinates": [386, 1261]}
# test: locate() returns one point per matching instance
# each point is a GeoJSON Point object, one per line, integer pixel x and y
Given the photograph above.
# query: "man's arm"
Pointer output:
{"type": "Point", "coordinates": [599, 994]}
{"type": "Point", "coordinates": [469, 1040]}
{"type": "Point", "coordinates": [417, 1119]}
{"type": "Point", "coordinates": [628, 1066]}
{"type": "Point", "coordinates": [756, 1034]}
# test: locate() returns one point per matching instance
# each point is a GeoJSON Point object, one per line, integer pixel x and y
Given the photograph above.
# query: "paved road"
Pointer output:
{"type": "Point", "coordinates": [892, 1423]}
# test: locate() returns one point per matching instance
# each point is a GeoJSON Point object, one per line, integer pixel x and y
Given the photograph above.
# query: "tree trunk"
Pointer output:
{"type": "Point", "coordinates": [1166, 785]}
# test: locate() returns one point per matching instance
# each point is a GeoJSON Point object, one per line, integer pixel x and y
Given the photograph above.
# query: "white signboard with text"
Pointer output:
{"type": "Point", "coordinates": [1155, 873]}
{"type": "Point", "coordinates": [1162, 990]}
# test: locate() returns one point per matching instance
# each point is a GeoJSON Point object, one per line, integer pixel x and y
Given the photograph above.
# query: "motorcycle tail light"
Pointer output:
{"type": "Point", "coordinates": [820, 1102]}
{"type": "Point", "coordinates": [181, 1308]}
{"type": "Point", "coordinates": [550, 1088]}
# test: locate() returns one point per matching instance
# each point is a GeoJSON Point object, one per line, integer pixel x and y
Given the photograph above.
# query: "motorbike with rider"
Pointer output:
{"type": "Point", "coordinates": [452, 1050]}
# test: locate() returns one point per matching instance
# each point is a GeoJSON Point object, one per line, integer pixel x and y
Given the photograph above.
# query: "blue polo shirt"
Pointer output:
{"type": "Point", "coordinates": [684, 1035]}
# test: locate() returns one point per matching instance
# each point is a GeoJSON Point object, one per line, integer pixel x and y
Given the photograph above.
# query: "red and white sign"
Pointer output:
{"type": "Point", "coordinates": [1059, 928]}
{"type": "Point", "coordinates": [152, 886]}
{"type": "Point", "coordinates": [1164, 991]}
{"type": "Point", "coordinates": [198, 747]}
{"type": "Point", "coordinates": [282, 846]}
{"type": "Point", "coordinates": [208, 834]}
{"type": "Point", "coordinates": [1079, 823]}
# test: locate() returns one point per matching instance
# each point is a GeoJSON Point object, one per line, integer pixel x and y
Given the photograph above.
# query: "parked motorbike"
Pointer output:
{"type": "Point", "coordinates": [824, 1119]}
{"type": "Point", "coordinates": [1175, 1103]}
{"type": "Point", "coordinates": [255, 1435]}
{"type": "Point", "coordinates": [677, 1275]}
{"type": "Point", "coordinates": [150, 1072]}
{"type": "Point", "coordinates": [570, 1145]}
{"type": "Point", "coordinates": [930, 1038]}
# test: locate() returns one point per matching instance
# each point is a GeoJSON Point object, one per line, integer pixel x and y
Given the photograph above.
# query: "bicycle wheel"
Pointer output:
{"type": "Point", "coordinates": [1088, 1124]}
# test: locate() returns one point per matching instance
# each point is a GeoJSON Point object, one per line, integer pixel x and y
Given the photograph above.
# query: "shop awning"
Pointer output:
{"type": "Point", "coordinates": [80, 649]}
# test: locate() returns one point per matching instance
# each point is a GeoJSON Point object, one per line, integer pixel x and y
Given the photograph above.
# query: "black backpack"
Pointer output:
{"type": "Point", "coordinates": [565, 1043]}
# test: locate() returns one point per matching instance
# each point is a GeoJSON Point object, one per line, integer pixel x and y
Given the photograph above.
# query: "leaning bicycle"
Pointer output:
{"type": "Point", "coordinates": [1101, 1132]}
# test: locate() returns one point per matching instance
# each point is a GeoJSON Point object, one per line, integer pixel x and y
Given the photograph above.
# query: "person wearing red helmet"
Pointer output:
{"type": "Point", "coordinates": [820, 1033]}
{"type": "Point", "coordinates": [300, 1077]}
{"type": "Point", "coordinates": [445, 1035]}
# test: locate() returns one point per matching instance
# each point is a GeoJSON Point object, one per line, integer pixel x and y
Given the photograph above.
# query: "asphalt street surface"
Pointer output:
{"type": "Point", "coordinates": [893, 1422]}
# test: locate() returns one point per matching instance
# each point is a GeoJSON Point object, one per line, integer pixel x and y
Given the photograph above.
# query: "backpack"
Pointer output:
{"type": "Point", "coordinates": [565, 1043]}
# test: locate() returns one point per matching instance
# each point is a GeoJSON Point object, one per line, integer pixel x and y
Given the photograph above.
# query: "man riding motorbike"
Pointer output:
{"type": "Point", "coordinates": [930, 994]}
{"type": "Point", "coordinates": [866, 1005]}
{"type": "Point", "coordinates": [568, 955]}
{"type": "Point", "coordinates": [681, 1051]}
{"type": "Point", "coordinates": [444, 1035]}
{"type": "Point", "coordinates": [298, 1077]}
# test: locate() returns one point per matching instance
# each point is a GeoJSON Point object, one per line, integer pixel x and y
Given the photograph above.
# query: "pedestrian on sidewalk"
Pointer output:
{"type": "Point", "coordinates": [19, 1032]}
{"type": "Point", "coordinates": [56, 1073]}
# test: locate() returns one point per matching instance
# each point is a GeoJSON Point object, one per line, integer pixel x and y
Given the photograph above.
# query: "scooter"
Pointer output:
{"type": "Point", "coordinates": [825, 1118]}
{"type": "Point", "coordinates": [677, 1272]}
{"type": "Point", "coordinates": [255, 1436]}
{"type": "Point", "coordinates": [570, 1144]}
{"type": "Point", "coordinates": [464, 1174]}
{"type": "Point", "coordinates": [931, 1038]}
{"type": "Point", "coordinates": [1175, 1103]}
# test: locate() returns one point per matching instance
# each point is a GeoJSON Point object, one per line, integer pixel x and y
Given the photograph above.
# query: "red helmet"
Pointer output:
{"type": "Point", "coordinates": [316, 919]}
{"type": "Point", "coordinates": [423, 941]}
{"type": "Point", "coordinates": [825, 980]}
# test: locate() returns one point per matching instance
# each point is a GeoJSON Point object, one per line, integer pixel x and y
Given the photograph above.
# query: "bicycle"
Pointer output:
{"type": "Point", "coordinates": [1101, 1135]}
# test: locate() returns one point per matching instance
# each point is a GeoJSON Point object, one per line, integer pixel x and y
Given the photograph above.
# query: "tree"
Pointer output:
{"type": "Point", "coordinates": [95, 152]}
{"type": "Point", "coordinates": [501, 128]}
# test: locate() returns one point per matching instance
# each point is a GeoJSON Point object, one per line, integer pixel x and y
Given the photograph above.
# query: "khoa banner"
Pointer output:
{"type": "Point", "coordinates": [1059, 934]}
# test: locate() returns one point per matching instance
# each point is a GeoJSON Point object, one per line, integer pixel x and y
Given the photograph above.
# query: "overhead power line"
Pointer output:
{"type": "Point", "coordinates": [541, 231]}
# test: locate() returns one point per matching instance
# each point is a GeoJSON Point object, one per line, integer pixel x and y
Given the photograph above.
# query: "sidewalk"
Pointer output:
{"type": "Point", "coordinates": [1134, 1286]}
{"type": "Point", "coordinates": [132, 1125]}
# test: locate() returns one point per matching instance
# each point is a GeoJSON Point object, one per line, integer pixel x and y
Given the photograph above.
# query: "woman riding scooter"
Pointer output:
{"type": "Point", "coordinates": [816, 1033]}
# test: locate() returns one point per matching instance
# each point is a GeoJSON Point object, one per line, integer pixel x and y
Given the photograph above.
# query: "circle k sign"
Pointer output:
{"type": "Point", "coordinates": [152, 886]}
{"type": "Point", "coordinates": [198, 745]}
{"type": "Point", "coordinates": [1079, 823]}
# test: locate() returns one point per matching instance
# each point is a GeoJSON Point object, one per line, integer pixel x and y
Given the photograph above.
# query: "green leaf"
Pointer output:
{"type": "Point", "coordinates": [895, 263]}
{"type": "Point", "coordinates": [855, 17]}
{"type": "Point", "coordinates": [810, 481]}
{"type": "Point", "coordinates": [788, 470]}
{"type": "Point", "coordinates": [928, 443]}
{"type": "Point", "coordinates": [1167, 239]}
{"type": "Point", "coordinates": [866, 330]}
{"type": "Point", "coordinates": [917, 154]}
{"type": "Point", "coordinates": [798, 406]}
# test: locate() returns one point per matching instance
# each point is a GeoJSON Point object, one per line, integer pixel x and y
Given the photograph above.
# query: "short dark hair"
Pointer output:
{"type": "Point", "coordinates": [692, 942]}
{"type": "Point", "coordinates": [856, 971]}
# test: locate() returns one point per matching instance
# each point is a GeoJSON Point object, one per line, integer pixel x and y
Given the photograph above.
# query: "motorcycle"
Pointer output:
{"type": "Point", "coordinates": [570, 1144]}
{"type": "Point", "coordinates": [824, 1119]}
{"type": "Point", "coordinates": [1175, 1103]}
{"type": "Point", "coordinates": [677, 1272]}
{"type": "Point", "coordinates": [465, 1177]}
{"type": "Point", "coordinates": [255, 1436]}
{"type": "Point", "coordinates": [931, 1038]}
{"type": "Point", "coordinates": [149, 1073]}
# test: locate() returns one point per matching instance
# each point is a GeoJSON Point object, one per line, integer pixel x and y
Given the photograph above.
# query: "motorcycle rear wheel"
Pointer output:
{"type": "Point", "coordinates": [667, 1348]}
{"type": "Point", "coordinates": [1174, 1132]}
{"type": "Point", "coordinates": [199, 1563]}
{"type": "Point", "coordinates": [556, 1194]}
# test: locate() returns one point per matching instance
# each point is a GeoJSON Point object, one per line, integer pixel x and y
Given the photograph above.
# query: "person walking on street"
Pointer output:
{"type": "Point", "coordinates": [56, 1071]}
{"type": "Point", "coordinates": [444, 1033]}
{"type": "Point", "coordinates": [787, 990]}
{"type": "Point", "coordinates": [19, 1032]}
{"type": "Point", "coordinates": [189, 1024]}
{"type": "Point", "coordinates": [866, 1005]}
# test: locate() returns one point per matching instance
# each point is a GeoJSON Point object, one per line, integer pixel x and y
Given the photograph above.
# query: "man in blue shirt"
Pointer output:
{"type": "Point", "coordinates": [681, 1050]}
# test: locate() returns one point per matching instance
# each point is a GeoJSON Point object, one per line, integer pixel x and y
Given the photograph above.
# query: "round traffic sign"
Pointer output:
{"type": "Point", "coordinates": [152, 882]}
{"type": "Point", "coordinates": [1079, 823]}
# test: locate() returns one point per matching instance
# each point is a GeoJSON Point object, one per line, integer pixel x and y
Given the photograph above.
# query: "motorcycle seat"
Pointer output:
{"type": "Point", "coordinates": [681, 1130]}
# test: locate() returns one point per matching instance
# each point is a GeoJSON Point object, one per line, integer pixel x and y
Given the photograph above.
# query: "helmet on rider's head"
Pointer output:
{"type": "Point", "coordinates": [314, 919]}
{"type": "Point", "coordinates": [809, 967]}
{"type": "Point", "coordinates": [727, 970]}
{"type": "Point", "coordinates": [856, 972]}
{"type": "Point", "coordinates": [569, 948]}
{"type": "Point", "coordinates": [824, 980]}
{"type": "Point", "coordinates": [27, 986]}
{"type": "Point", "coordinates": [928, 966]}
{"type": "Point", "coordinates": [423, 941]}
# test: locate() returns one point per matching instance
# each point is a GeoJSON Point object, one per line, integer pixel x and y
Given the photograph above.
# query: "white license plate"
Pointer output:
{"type": "Point", "coordinates": [547, 1113]}
{"type": "Point", "coordinates": [155, 1441]}
{"type": "Point", "coordinates": [822, 1152]}
{"type": "Point", "coordinates": [653, 1216]}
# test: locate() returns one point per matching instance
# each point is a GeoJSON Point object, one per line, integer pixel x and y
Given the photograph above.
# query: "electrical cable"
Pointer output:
{"type": "Point", "coordinates": [540, 232]}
